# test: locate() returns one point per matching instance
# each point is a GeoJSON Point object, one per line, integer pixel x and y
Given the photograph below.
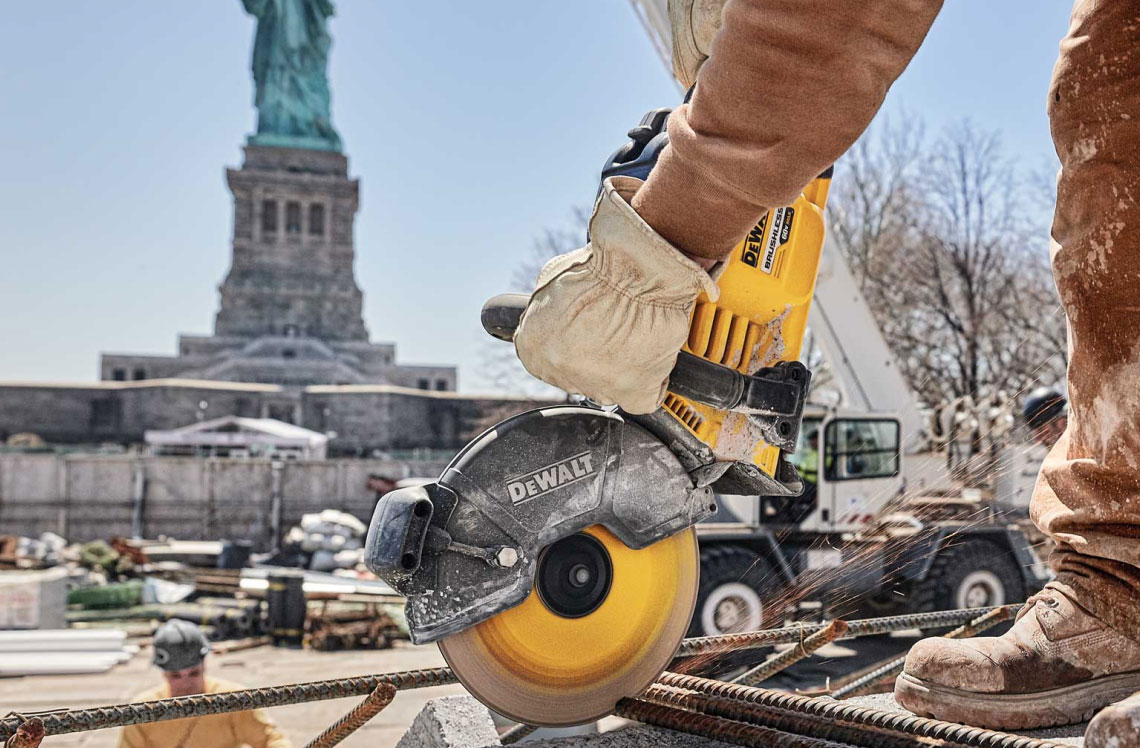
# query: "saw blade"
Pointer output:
{"type": "Point", "coordinates": [580, 643]}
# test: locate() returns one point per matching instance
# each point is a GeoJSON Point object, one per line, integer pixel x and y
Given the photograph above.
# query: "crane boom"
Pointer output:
{"type": "Point", "coordinates": [654, 17]}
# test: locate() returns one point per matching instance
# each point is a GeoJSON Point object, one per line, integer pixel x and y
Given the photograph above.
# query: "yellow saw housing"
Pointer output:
{"type": "Point", "coordinates": [766, 288]}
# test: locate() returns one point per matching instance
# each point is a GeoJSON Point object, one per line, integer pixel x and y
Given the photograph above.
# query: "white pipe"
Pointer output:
{"type": "Point", "coordinates": [62, 640]}
{"type": "Point", "coordinates": [59, 663]}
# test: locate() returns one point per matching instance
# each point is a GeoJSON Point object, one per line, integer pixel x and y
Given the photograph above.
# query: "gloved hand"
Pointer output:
{"type": "Point", "coordinates": [694, 23]}
{"type": "Point", "coordinates": [607, 321]}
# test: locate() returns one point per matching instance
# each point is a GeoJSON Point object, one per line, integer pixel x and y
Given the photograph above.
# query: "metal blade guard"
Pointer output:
{"type": "Point", "coordinates": [465, 548]}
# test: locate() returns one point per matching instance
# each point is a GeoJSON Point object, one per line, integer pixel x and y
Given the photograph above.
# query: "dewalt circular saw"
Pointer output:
{"type": "Point", "coordinates": [555, 560]}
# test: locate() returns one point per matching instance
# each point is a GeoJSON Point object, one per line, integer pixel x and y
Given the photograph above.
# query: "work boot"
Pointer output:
{"type": "Point", "coordinates": [1058, 665]}
{"type": "Point", "coordinates": [1118, 726]}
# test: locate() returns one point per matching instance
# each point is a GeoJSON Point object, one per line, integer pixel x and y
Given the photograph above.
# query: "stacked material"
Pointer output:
{"type": "Point", "coordinates": [319, 585]}
{"type": "Point", "coordinates": [333, 540]}
{"type": "Point", "coordinates": [333, 626]}
{"type": "Point", "coordinates": [33, 599]}
{"type": "Point", "coordinates": [232, 620]}
{"type": "Point", "coordinates": [62, 652]}
{"type": "Point", "coordinates": [44, 550]}
{"type": "Point", "coordinates": [203, 553]}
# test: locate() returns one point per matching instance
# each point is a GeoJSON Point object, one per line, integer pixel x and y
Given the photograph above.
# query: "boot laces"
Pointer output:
{"type": "Point", "coordinates": [1044, 596]}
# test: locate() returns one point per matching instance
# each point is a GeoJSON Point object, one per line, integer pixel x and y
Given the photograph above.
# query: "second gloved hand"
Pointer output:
{"type": "Point", "coordinates": [607, 321]}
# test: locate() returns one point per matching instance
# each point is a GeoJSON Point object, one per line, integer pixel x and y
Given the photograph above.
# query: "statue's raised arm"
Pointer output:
{"type": "Point", "coordinates": [290, 64]}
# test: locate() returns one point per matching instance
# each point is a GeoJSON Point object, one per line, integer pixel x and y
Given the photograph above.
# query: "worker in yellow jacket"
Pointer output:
{"type": "Point", "coordinates": [180, 651]}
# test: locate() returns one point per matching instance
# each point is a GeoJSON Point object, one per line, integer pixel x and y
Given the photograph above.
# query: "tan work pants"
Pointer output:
{"type": "Point", "coordinates": [1088, 494]}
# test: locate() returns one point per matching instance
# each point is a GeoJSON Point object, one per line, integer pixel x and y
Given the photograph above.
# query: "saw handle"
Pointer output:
{"type": "Point", "coordinates": [501, 314]}
{"type": "Point", "coordinates": [774, 391]}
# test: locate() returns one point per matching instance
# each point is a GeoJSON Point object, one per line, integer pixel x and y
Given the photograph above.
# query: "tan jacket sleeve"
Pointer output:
{"type": "Point", "coordinates": [255, 729]}
{"type": "Point", "coordinates": [788, 87]}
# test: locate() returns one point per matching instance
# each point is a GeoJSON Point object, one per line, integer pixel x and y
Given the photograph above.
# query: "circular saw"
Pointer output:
{"type": "Point", "coordinates": [555, 560]}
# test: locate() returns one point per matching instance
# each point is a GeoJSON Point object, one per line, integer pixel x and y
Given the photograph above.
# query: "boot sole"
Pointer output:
{"type": "Point", "coordinates": [1022, 711]}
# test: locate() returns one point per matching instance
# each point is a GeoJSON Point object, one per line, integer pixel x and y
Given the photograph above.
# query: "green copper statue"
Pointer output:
{"type": "Point", "coordinates": [290, 60]}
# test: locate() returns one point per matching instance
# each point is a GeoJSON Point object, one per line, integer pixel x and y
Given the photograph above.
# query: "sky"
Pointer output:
{"type": "Point", "coordinates": [473, 127]}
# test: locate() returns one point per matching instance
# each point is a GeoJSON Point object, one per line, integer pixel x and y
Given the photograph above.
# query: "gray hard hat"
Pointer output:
{"type": "Point", "coordinates": [179, 645]}
{"type": "Point", "coordinates": [1042, 406]}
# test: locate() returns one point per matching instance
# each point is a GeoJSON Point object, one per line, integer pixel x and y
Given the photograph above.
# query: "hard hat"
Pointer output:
{"type": "Point", "coordinates": [1042, 406]}
{"type": "Point", "coordinates": [179, 645]}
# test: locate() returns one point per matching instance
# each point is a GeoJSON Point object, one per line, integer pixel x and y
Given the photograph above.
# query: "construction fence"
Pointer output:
{"type": "Point", "coordinates": [90, 497]}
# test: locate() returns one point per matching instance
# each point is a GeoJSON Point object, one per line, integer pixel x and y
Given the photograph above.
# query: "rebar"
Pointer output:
{"type": "Point", "coordinates": [372, 705]}
{"type": "Point", "coordinates": [830, 709]}
{"type": "Point", "coordinates": [517, 733]}
{"type": "Point", "coordinates": [984, 622]}
{"type": "Point", "coordinates": [716, 728]}
{"type": "Point", "coordinates": [864, 683]}
{"type": "Point", "coordinates": [894, 666]}
{"type": "Point", "coordinates": [28, 735]}
{"type": "Point", "coordinates": [819, 719]}
{"type": "Point", "coordinates": [97, 718]}
{"type": "Point", "coordinates": [789, 657]}
{"type": "Point", "coordinates": [780, 720]}
{"type": "Point", "coordinates": [862, 627]}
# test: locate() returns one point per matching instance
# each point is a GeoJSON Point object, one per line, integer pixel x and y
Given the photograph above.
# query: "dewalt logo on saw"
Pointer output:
{"type": "Point", "coordinates": [762, 254]}
{"type": "Point", "coordinates": [544, 480]}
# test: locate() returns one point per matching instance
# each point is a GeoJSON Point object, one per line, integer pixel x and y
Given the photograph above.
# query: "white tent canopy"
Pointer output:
{"type": "Point", "coordinates": [235, 436]}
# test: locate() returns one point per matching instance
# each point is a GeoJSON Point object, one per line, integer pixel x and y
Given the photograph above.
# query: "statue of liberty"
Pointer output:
{"type": "Point", "coordinates": [290, 60]}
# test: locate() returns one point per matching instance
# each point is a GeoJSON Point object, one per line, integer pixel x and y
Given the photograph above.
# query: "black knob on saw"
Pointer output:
{"type": "Point", "coordinates": [501, 314]}
{"type": "Point", "coordinates": [692, 377]}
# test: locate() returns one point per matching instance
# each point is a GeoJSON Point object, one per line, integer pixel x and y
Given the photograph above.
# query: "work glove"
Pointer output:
{"type": "Point", "coordinates": [607, 321]}
{"type": "Point", "coordinates": [694, 23]}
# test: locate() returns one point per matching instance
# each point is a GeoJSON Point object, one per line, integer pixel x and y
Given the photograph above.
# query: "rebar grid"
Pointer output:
{"type": "Point", "coordinates": [717, 728]}
{"type": "Point", "coordinates": [861, 627]}
{"type": "Point", "coordinates": [964, 735]}
{"type": "Point", "coordinates": [894, 666]}
{"type": "Point", "coordinates": [372, 705]}
{"type": "Point", "coordinates": [787, 658]}
{"type": "Point", "coordinates": [784, 721]}
{"type": "Point", "coordinates": [721, 706]}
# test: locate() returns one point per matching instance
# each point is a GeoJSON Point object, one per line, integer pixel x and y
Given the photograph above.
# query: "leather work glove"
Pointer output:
{"type": "Point", "coordinates": [607, 321]}
{"type": "Point", "coordinates": [694, 23]}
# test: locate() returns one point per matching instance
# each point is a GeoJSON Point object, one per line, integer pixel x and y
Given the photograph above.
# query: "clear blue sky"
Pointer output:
{"type": "Point", "coordinates": [472, 125]}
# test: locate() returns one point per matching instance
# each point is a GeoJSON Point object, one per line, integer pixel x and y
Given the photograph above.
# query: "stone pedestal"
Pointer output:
{"type": "Point", "coordinates": [292, 272]}
{"type": "Point", "coordinates": [291, 312]}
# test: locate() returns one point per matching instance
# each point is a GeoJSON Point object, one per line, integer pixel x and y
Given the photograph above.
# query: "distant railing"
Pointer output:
{"type": "Point", "coordinates": [422, 454]}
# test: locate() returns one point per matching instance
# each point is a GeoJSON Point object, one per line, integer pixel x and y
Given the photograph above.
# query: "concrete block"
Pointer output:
{"type": "Point", "coordinates": [451, 722]}
{"type": "Point", "coordinates": [640, 736]}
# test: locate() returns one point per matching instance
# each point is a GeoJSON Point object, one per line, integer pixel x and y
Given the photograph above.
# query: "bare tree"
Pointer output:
{"type": "Point", "coordinates": [876, 196]}
{"type": "Point", "coordinates": [872, 213]}
{"type": "Point", "coordinates": [944, 245]}
{"type": "Point", "coordinates": [500, 368]}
